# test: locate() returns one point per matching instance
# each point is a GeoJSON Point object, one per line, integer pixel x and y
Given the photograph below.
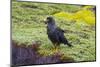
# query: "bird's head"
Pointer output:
{"type": "Point", "coordinates": [49, 20]}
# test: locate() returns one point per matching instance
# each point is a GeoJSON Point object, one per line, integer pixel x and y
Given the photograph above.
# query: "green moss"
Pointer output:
{"type": "Point", "coordinates": [28, 26]}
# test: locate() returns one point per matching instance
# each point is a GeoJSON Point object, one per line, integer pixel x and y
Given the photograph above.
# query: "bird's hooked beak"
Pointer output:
{"type": "Point", "coordinates": [46, 21]}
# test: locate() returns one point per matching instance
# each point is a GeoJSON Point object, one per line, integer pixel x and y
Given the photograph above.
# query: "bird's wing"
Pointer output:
{"type": "Point", "coordinates": [61, 30]}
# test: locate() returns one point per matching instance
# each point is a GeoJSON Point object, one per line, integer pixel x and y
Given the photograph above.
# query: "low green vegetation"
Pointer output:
{"type": "Point", "coordinates": [28, 26]}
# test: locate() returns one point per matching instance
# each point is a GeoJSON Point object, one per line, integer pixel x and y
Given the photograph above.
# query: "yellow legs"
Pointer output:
{"type": "Point", "coordinates": [56, 47]}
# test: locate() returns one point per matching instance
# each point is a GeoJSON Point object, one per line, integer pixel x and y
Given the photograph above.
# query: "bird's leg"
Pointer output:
{"type": "Point", "coordinates": [56, 47]}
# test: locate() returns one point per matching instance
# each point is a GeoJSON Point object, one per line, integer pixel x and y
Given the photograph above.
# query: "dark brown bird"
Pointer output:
{"type": "Point", "coordinates": [55, 34]}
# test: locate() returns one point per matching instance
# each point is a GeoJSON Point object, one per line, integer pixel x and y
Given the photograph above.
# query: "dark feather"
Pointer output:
{"type": "Point", "coordinates": [55, 34]}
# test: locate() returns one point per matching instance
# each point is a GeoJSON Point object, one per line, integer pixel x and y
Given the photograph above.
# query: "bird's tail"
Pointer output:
{"type": "Point", "coordinates": [66, 42]}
